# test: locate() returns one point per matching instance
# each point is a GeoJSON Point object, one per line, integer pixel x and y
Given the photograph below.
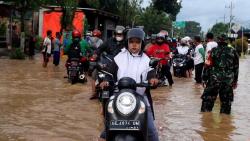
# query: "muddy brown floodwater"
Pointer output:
{"type": "Point", "coordinates": [38, 104]}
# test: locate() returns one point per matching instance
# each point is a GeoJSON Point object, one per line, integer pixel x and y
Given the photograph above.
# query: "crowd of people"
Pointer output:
{"type": "Point", "coordinates": [215, 64]}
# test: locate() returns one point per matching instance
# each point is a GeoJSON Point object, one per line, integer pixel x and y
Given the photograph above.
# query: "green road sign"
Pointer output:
{"type": "Point", "coordinates": [179, 24]}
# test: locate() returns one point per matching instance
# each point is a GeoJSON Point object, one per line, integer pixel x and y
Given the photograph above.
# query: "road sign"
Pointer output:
{"type": "Point", "coordinates": [179, 24]}
{"type": "Point", "coordinates": [236, 28]}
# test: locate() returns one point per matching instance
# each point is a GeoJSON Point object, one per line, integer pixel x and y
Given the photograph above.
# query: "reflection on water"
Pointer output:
{"type": "Point", "coordinates": [38, 104]}
{"type": "Point", "coordinates": [216, 127]}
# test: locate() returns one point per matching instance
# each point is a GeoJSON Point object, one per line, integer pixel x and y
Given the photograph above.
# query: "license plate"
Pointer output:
{"type": "Point", "coordinates": [105, 94]}
{"type": "Point", "coordinates": [73, 68]}
{"type": "Point", "coordinates": [92, 63]}
{"type": "Point", "coordinates": [125, 125]}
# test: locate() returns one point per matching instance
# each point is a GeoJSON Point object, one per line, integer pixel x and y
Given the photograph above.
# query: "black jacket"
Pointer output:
{"type": "Point", "coordinates": [111, 47]}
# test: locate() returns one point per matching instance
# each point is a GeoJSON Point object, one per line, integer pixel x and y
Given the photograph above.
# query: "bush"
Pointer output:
{"type": "Point", "coordinates": [17, 54]}
{"type": "Point", "coordinates": [38, 43]}
{"type": "Point", "coordinates": [2, 29]}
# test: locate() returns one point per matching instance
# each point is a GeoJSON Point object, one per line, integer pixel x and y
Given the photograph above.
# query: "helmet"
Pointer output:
{"type": "Point", "coordinates": [153, 36]}
{"type": "Point", "coordinates": [184, 41]}
{"type": "Point", "coordinates": [119, 29]}
{"type": "Point", "coordinates": [160, 35]}
{"type": "Point", "coordinates": [76, 34]}
{"type": "Point", "coordinates": [174, 40]}
{"type": "Point", "coordinates": [187, 38]}
{"type": "Point", "coordinates": [136, 33]}
{"type": "Point", "coordinates": [164, 32]}
{"type": "Point", "coordinates": [97, 33]}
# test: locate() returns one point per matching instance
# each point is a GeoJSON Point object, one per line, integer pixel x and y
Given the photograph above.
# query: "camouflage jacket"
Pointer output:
{"type": "Point", "coordinates": [224, 66]}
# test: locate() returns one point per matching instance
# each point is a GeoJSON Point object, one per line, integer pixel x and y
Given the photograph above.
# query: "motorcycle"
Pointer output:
{"type": "Point", "coordinates": [179, 65]}
{"type": "Point", "coordinates": [158, 67]}
{"type": "Point", "coordinates": [75, 71]}
{"type": "Point", "coordinates": [92, 65]}
{"type": "Point", "coordinates": [126, 113]}
{"type": "Point", "coordinates": [104, 75]}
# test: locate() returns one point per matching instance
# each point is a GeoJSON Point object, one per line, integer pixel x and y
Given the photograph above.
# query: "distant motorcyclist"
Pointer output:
{"type": "Point", "coordinates": [162, 50]}
{"type": "Point", "coordinates": [112, 47]}
{"type": "Point", "coordinates": [78, 48]}
{"type": "Point", "coordinates": [183, 48]}
{"type": "Point", "coordinates": [96, 41]}
{"type": "Point", "coordinates": [152, 42]}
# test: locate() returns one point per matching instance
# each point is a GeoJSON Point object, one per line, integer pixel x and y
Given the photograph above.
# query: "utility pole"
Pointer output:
{"type": "Point", "coordinates": [224, 18]}
{"type": "Point", "coordinates": [231, 16]}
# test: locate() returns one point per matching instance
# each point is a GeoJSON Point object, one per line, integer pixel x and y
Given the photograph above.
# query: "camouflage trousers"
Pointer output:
{"type": "Point", "coordinates": [210, 94]}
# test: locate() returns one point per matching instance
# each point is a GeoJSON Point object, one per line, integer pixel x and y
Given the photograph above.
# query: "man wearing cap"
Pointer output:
{"type": "Point", "coordinates": [220, 76]}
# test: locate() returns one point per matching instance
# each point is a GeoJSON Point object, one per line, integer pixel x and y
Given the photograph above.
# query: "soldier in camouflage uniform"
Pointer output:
{"type": "Point", "coordinates": [220, 76]}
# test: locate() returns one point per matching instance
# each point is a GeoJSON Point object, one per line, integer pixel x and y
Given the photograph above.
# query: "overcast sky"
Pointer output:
{"type": "Point", "coordinates": [207, 12]}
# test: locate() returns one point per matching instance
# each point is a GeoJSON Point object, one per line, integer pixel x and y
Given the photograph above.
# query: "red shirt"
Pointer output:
{"type": "Point", "coordinates": [159, 51]}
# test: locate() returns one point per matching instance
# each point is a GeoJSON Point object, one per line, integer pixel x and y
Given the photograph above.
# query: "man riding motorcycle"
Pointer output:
{"type": "Point", "coordinates": [161, 50]}
{"type": "Point", "coordinates": [77, 49]}
{"type": "Point", "coordinates": [112, 47]}
{"type": "Point", "coordinates": [132, 57]}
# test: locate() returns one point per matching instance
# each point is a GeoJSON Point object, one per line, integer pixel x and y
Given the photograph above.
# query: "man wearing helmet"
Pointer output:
{"type": "Point", "coordinates": [133, 57]}
{"type": "Point", "coordinates": [77, 48]}
{"type": "Point", "coordinates": [112, 47]}
{"type": "Point", "coordinates": [96, 41]}
{"type": "Point", "coordinates": [162, 50]}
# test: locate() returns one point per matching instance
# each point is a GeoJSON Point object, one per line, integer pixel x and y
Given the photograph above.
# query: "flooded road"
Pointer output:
{"type": "Point", "coordinates": [38, 104]}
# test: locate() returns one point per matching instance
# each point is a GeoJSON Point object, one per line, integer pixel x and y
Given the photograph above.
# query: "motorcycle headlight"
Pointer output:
{"type": "Point", "coordinates": [126, 103]}
{"type": "Point", "coordinates": [101, 75]}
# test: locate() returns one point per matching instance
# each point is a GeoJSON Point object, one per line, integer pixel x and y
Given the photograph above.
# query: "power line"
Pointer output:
{"type": "Point", "coordinates": [231, 7]}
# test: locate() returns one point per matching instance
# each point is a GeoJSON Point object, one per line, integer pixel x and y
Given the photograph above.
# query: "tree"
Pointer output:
{"type": "Point", "coordinates": [192, 29]}
{"type": "Point", "coordinates": [154, 20]}
{"type": "Point", "coordinates": [171, 7]}
{"type": "Point", "coordinates": [219, 28]}
{"type": "Point", "coordinates": [24, 6]}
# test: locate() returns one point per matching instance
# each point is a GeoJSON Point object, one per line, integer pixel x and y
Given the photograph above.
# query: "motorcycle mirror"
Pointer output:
{"type": "Point", "coordinates": [100, 66]}
{"type": "Point", "coordinates": [153, 63]}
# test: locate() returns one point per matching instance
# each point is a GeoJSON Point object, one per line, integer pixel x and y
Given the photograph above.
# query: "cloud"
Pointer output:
{"type": "Point", "coordinates": [207, 12]}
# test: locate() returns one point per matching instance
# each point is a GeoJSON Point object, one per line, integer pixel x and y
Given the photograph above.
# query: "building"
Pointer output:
{"type": "Point", "coordinates": [97, 19]}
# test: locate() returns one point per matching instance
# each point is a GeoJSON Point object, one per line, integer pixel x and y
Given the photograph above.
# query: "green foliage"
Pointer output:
{"type": "Point", "coordinates": [38, 43]}
{"type": "Point", "coordinates": [154, 20]}
{"type": "Point", "coordinates": [171, 7]}
{"type": "Point", "coordinates": [191, 29]}
{"type": "Point", "coordinates": [93, 3]}
{"type": "Point", "coordinates": [2, 28]}
{"type": "Point", "coordinates": [218, 29]}
{"type": "Point", "coordinates": [238, 45]}
{"type": "Point", "coordinates": [17, 53]}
